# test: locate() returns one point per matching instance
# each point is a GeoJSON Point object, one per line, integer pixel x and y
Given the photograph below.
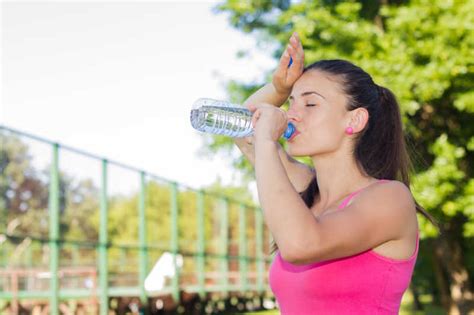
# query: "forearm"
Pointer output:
{"type": "Point", "coordinates": [268, 94]}
{"type": "Point", "coordinates": [300, 174]}
{"type": "Point", "coordinates": [248, 150]}
{"type": "Point", "coordinates": [285, 213]}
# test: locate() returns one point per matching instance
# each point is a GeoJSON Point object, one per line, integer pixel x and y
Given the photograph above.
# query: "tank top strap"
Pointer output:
{"type": "Point", "coordinates": [349, 198]}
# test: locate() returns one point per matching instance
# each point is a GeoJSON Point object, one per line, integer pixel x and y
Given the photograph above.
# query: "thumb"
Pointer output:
{"type": "Point", "coordinates": [255, 117]}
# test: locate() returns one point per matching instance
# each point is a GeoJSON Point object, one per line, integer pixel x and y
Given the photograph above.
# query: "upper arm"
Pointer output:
{"type": "Point", "coordinates": [377, 215]}
{"type": "Point", "coordinates": [300, 174]}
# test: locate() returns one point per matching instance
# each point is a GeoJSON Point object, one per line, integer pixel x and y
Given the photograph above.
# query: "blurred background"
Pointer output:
{"type": "Point", "coordinates": [103, 178]}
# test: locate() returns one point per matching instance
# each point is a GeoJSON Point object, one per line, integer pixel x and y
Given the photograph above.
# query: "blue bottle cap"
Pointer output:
{"type": "Point", "coordinates": [290, 130]}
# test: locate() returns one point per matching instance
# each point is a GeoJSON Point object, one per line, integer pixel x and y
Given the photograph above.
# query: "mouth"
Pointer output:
{"type": "Point", "coordinates": [296, 133]}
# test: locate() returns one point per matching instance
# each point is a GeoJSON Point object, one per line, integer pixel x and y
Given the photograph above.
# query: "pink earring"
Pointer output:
{"type": "Point", "coordinates": [349, 131]}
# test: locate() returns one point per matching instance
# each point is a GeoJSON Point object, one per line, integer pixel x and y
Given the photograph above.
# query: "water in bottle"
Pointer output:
{"type": "Point", "coordinates": [224, 118]}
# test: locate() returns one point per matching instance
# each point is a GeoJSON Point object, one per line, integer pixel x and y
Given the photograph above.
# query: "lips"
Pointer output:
{"type": "Point", "coordinates": [294, 135]}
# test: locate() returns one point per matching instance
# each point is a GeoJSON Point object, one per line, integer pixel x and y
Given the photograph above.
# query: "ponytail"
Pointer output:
{"type": "Point", "coordinates": [380, 148]}
{"type": "Point", "coordinates": [397, 158]}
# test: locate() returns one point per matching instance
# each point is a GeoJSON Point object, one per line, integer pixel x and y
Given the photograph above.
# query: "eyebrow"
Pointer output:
{"type": "Point", "coordinates": [308, 93]}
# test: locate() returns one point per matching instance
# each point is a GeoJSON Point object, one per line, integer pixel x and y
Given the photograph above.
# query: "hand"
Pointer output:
{"type": "Point", "coordinates": [284, 77]}
{"type": "Point", "coordinates": [269, 122]}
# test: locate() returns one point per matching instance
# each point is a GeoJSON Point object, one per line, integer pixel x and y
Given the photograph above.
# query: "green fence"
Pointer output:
{"type": "Point", "coordinates": [228, 252]}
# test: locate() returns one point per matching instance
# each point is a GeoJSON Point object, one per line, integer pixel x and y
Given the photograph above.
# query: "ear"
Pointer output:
{"type": "Point", "coordinates": [359, 119]}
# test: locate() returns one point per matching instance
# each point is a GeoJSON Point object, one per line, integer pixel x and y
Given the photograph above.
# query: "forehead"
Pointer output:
{"type": "Point", "coordinates": [321, 82]}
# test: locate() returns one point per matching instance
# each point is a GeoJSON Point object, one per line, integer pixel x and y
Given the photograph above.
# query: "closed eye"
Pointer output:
{"type": "Point", "coordinates": [310, 104]}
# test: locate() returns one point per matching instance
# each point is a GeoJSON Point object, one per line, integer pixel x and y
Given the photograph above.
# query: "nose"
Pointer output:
{"type": "Point", "coordinates": [293, 115]}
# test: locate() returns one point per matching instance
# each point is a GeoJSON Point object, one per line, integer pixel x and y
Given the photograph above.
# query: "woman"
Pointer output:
{"type": "Point", "coordinates": [346, 230]}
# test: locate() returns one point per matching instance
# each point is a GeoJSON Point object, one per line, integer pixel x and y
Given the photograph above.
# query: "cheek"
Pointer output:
{"type": "Point", "coordinates": [314, 142]}
{"type": "Point", "coordinates": [325, 128]}
{"type": "Point", "coordinates": [325, 134]}
{"type": "Point", "coordinates": [324, 139]}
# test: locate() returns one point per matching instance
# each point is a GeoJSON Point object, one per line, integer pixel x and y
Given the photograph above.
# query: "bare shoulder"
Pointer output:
{"type": "Point", "coordinates": [397, 192]}
{"type": "Point", "coordinates": [390, 201]}
{"type": "Point", "coordinates": [387, 193]}
{"type": "Point", "coordinates": [381, 217]}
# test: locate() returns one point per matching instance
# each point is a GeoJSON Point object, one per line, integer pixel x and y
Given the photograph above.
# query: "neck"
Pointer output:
{"type": "Point", "coordinates": [337, 176]}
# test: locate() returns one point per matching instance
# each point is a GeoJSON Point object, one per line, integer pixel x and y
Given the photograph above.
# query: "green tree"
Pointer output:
{"type": "Point", "coordinates": [421, 50]}
{"type": "Point", "coordinates": [24, 203]}
{"type": "Point", "coordinates": [21, 188]}
{"type": "Point", "coordinates": [158, 220]}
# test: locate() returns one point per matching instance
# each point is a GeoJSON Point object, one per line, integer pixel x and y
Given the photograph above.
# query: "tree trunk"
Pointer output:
{"type": "Point", "coordinates": [441, 281]}
{"type": "Point", "coordinates": [449, 251]}
{"type": "Point", "coordinates": [417, 306]}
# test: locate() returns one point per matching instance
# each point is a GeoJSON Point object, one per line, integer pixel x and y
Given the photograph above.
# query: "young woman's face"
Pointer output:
{"type": "Point", "coordinates": [318, 110]}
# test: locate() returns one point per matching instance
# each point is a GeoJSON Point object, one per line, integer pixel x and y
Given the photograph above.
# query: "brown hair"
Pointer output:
{"type": "Point", "coordinates": [380, 149]}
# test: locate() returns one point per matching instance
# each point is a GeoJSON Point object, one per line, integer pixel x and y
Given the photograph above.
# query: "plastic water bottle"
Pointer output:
{"type": "Point", "coordinates": [224, 118]}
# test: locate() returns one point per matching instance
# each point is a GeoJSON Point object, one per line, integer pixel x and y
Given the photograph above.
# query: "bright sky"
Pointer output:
{"type": "Point", "coordinates": [118, 79]}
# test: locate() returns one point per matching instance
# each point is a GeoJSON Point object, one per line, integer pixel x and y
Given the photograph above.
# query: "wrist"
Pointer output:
{"type": "Point", "coordinates": [266, 142]}
{"type": "Point", "coordinates": [281, 92]}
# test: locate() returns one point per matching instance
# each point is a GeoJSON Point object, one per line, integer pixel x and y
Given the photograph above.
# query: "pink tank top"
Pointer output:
{"type": "Point", "coordinates": [365, 284]}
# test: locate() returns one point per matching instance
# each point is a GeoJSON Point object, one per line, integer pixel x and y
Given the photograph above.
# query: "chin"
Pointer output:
{"type": "Point", "coordinates": [303, 151]}
{"type": "Point", "coordinates": [297, 152]}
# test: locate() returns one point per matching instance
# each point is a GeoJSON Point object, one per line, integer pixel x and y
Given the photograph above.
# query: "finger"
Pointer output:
{"type": "Point", "coordinates": [293, 58]}
{"type": "Point", "coordinates": [298, 51]}
{"type": "Point", "coordinates": [295, 44]}
{"type": "Point", "coordinates": [255, 117]}
{"type": "Point", "coordinates": [283, 64]}
{"type": "Point", "coordinates": [252, 108]}
{"type": "Point", "coordinates": [249, 140]}
{"type": "Point", "coordinates": [295, 70]}
{"type": "Point", "coordinates": [257, 106]}
{"type": "Point", "coordinates": [291, 50]}
{"type": "Point", "coordinates": [294, 41]}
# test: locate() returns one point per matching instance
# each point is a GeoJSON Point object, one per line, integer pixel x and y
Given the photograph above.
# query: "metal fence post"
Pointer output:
{"type": "Point", "coordinates": [54, 232]}
{"type": "Point", "coordinates": [201, 245]}
{"type": "Point", "coordinates": [103, 240]}
{"type": "Point", "coordinates": [259, 249]}
{"type": "Point", "coordinates": [174, 239]}
{"type": "Point", "coordinates": [142, 237]}
{"type": "Point", "coordinates": [225, 245]}
{"type": "Point", "coordinates": [243, 262]}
